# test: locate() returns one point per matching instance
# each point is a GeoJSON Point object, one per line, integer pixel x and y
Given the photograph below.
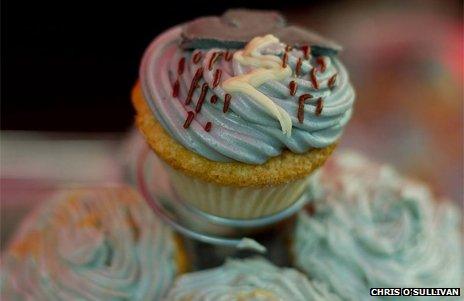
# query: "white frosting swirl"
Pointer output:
{"type": "Point", "coordinates": [248, 280]}
{"type": "Point", "coordinates": [90, 244]}
{"type": "Point", "coordinates": [268, 67]}
{"type": "Point", "coordinates": [372, 228]}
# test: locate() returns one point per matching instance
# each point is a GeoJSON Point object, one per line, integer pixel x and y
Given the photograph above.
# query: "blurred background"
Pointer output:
{"type": "Point", "coordinates": [68, 68]}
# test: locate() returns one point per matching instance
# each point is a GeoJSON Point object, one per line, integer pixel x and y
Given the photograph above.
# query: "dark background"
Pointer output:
{"type": "Point", "coordinates": [70, 65]}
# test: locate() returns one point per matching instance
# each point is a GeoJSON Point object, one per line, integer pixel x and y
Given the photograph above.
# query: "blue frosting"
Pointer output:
{"type": "Point", "coordinates": [248, 280]}
{"type": "Point", "coordinates": [246, 133]}
{"type": "Point", "coordinates": [374, 229]}
{"type": "Point", "coordinates": [90, 244]}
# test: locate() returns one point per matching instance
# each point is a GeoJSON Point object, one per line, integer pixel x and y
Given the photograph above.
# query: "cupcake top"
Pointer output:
{"type": "Point", "coordinates": [369, 227]}
{"type": "Point", "coordinates": [245, 86]}
{"type": "Point", "coordinates": [90, 244]}
{"type": "Point", "coordinates": [248, 280]}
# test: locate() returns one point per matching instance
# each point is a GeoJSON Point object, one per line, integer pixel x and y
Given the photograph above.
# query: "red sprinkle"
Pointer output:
{"type": "Point", "coordinates": [217, 78]}
{"type": "Point", "coordinates": [181, 66]}
{"type": "Point", "coordinates": [228, 56]}
{"type": "Point", "coordinates": [319, 106]}
{"type": "Point", "coordinates": [292, 86]}
{"type": "Point", "coordinates": [303, 97]}
{"type": "Point", "coordinates": [305, 49]}
{"type": "Point", "coordinates": [284, 60]}
{"type": "Point", "coordinates": [226, 103]}
{"type": "Point", "coordinates": [301, 103]}
{"type": "Point", "coordinates": [314, 78]}
{"type": "Point", "coordinates": [332, 80]}
{"type": "Point", "coordinates": [188, 121]}
{"type": "Point", "coordinates": [197, 57]}
{"type": "Point", "coordinates": [214, 57]}
{"type": "Point", "coordinates": [175, 88]}
{"type": "Point", "coordinates": [201, 99]}
{"type": "Point", "coordinates": [208, 126]}
{"type": "Point", "coordinates": [194, 84]}
{"type": "Point", "coordinates": [214, 98]}
{"type": "Point", "coordinates": [321, 62]}
{"type": "Point", "coordinates": [298, 66]}
{"type": "Point", "coordinates": [300, 111]}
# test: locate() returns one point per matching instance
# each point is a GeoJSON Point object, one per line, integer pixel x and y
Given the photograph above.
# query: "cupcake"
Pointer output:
{"type": "Point", "coordinates": [248, 279]}
{"type": "Point", "coordinates": [242, 108]}
{"type": "Point", "coordinates": [370, 227]}
{"type": "Point", "coordinates": [91, 244]}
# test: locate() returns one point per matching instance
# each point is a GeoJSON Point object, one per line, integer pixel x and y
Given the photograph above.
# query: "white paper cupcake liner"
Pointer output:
{"type": "Point", "coordinates": [236, 202]}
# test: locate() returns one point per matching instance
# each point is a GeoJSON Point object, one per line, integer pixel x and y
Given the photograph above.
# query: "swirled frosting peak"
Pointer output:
{"type": "Point", "coordinates": [89, 244]}
{"type": "Point", "coordinates": [248, 280]}
{"type": "Point", "coordinates": [369, 227]}
{"type": "Point", "coordinates": [251, 103]}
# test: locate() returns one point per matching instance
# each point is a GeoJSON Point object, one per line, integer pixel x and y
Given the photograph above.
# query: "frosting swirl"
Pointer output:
{"type": "Point", "coordinates": [373, 228]}
{"type": "Point", "coordinates": [190, 93]}
{"type": "Point", "coordinates": [90, 244]}
{"type": "Point", "coordinates": [248, 280]}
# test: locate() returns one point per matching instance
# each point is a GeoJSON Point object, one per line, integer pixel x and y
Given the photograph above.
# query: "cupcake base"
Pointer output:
{"type": "Point", "coordinates": [236, 202]}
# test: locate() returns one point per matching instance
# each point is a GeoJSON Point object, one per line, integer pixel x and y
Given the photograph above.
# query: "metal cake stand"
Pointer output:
{"type": "Point", "coordinates": [222, 236]}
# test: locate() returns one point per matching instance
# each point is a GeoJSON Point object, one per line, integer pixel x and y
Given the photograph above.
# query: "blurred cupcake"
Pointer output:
{"type": "Point", "coordinates": [248, 279]}
{"type": "Point", "coordinates": [369, 227]}
{"type": "Point", "coordinates": [91, 244]}
{"type": "Point", "coordinates": [242, 108]}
